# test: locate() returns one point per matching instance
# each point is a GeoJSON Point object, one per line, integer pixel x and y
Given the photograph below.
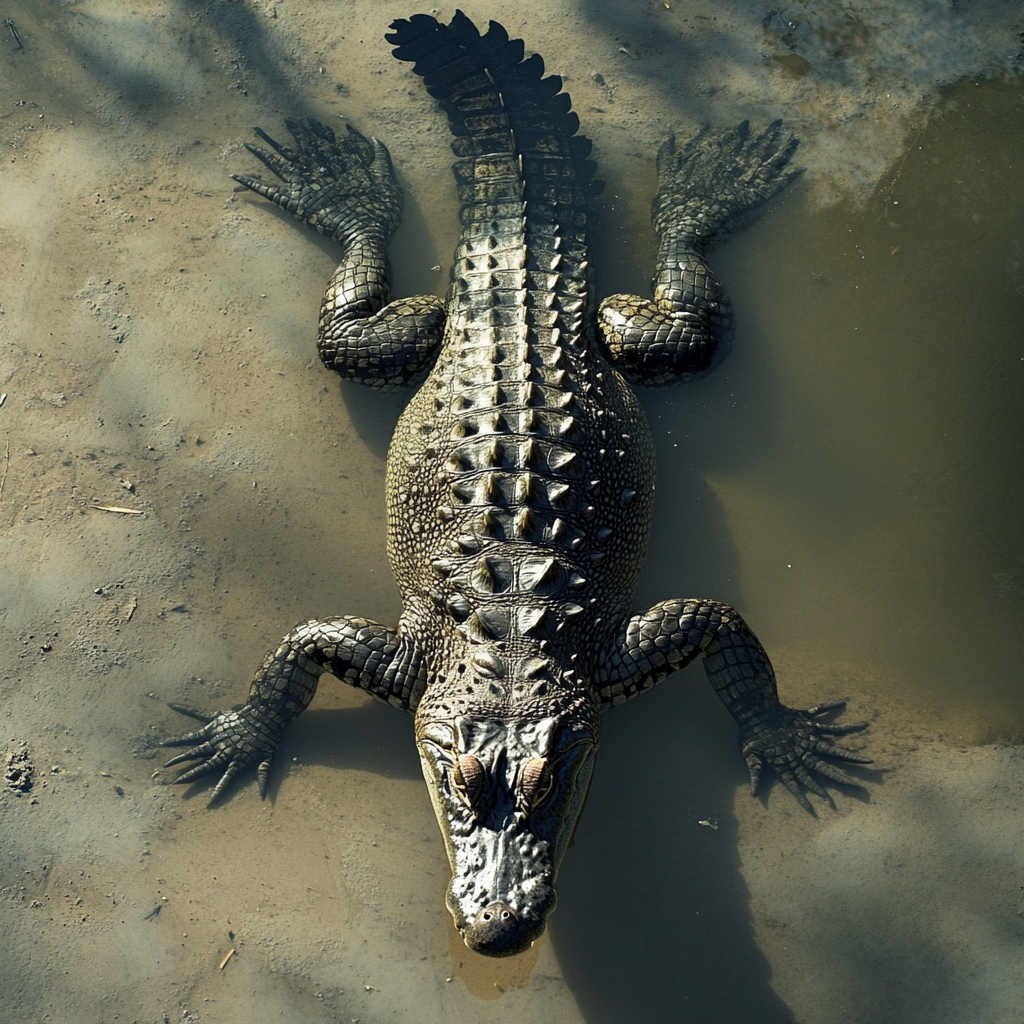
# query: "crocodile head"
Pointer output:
{"type": "Point", "coordinates": [507, 792]}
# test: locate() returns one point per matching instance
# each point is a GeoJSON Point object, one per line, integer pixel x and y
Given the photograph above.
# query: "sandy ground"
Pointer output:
{"type": "Point", "coordinates": [156, 351]}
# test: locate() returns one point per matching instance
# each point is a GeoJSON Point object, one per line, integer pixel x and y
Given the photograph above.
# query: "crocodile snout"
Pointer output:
{"type": "Point", "coordinates": [498, 931]}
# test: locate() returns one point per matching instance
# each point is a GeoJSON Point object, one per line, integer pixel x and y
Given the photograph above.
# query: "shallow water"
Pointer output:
{"type": "Point", "coordinates": [864, 442]}
{"type": "Point", "coordinates": [850, 478]}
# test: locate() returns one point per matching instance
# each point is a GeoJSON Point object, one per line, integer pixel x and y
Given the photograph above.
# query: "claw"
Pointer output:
{"type": "Point", "coordinates": [275, 195]}
{"type": "Point", "coordinates": [204, 750]}
{"type": "Point", "coordinates": [794, 787]}
{"type": "Point", "coordinates": [279, 165]}
{"type": "Point", "coordinates": [831, 750]}
{"type": "Point", "coordinates": [262, 775]}
{"type": "Point", "coordinates": [229, 742]}
{"type": "Point", "coordinates": [380, 167]}
{"type": "Point", "coordinates": [830, 771]}
{"type": "Point", "coordinates": [341, 187]}
{"type": "Point", "coordinates": [809, 782]}
{"type": "Point", "coordinates": [822, 709]}
{"type": "Point", "coordinates": [181, 741]}
{"type": "Point", "coordinates": [754, 766]}
{"type": "Point", "coordinates": [842, 730]}
{"type": "Point", "coordinates": [793, 742]}
{"type": "Point", "coordinates": [203, 716]}
{"type": "Point", "coordinates": [203, 769]}
{"type": "Point", "coordinates": [233, 769]}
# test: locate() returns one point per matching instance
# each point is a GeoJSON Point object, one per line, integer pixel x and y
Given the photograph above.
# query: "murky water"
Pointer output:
{"type": "Point", "coordinates": [850, 478]}
{"type": "Point", "coordinates": [853, 474]}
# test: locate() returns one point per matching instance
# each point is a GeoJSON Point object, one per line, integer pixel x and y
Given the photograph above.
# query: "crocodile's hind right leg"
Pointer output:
{"type": "Point", "coordinates": [345, 189]}
{"type": "Point", "coordinates": [704, 188]}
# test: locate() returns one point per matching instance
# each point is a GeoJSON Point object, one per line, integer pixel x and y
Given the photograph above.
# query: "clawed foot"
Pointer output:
{"type": "Point", "coordinates": [230, 741]}
{"type": "Point", "coordinates": [718, 177]}
{"type": "Point", "coordinates": [792, 742]}
{"type": "Point", "coordinates": [343, 188]}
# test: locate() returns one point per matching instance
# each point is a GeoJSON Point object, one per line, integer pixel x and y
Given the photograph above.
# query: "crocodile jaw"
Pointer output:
{"type": "Point", "coordinates": [501, 891]}
{"type": "Point", "coordinates": [504, 851]}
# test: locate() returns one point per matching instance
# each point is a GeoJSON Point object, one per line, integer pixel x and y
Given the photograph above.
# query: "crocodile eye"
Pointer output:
{"type": "Point", "coordinates": [535, 784]}
{"type": "Point", "coordinates": [467, 778]}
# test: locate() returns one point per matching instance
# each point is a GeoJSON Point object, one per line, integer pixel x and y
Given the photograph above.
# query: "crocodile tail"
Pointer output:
{"type": "Point", "coordinates": [499, 106]}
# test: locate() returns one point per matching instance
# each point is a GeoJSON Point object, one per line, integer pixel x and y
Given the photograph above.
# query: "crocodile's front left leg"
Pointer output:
{"type": "Point", "coordinates": [667, 637]}
{"type": "Point", "coordinates": [345, 189]}
{"type": "Point", "coordinates": [704, 188]}
{"type": "Point", "coordinates": [382, 661]}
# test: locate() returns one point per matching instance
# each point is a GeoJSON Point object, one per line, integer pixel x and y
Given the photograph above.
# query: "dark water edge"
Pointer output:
{"type": "Point", "coordinates": [851, 477]}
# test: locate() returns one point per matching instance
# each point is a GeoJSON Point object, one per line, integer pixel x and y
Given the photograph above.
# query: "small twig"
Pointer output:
{"type": "Point", "coordinates": [14, 32]}
{"type": "Point", "coordinates": [116, 508]}
{"type": "Point", "coordinates": [7, 462]}
{"type": "Point", "coordinates": [227, 956]}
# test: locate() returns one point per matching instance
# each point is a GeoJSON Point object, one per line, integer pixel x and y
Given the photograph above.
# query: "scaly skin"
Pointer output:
{"type": "Point", "coordinates": [520, 479]}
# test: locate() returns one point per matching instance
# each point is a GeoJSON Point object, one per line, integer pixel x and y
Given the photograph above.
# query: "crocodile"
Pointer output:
{"type": "Point", "coordinates": [520, 478]}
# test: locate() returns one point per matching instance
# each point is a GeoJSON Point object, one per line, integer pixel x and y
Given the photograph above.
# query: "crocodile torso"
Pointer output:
{"type": "Point", "coordinates": [520, 479]}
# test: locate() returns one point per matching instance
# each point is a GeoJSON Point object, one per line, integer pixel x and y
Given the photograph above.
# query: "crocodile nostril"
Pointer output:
{"type": "Point", "coordinates": [497, 931]}
{"type": "Point", "coordinates": [503, 915]}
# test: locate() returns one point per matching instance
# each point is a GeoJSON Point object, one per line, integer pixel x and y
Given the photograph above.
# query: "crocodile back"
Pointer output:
{"type": "Point", "coordinates": [520, 476]}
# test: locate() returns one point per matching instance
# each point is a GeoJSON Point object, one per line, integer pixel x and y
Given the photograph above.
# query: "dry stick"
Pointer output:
{"type": "Point", "coordinates": [7, 463]}
{"type": "Point", "coordinates": [116, 508]}
{"type": "Point", "coordinates": [14, 32]}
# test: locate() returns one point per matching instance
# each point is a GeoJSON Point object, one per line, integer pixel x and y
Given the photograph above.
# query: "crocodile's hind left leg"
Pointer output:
{"type": "Point", "coordinates": [704, 187]}
{"type": "Point", "coordinates": [655, 643]}
{"type": "Point", "coordinates": [345, 189]}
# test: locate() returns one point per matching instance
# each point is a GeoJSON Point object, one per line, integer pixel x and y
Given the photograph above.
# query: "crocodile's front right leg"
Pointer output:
{"type": "Point", "coordinates": [345, 189]}
{"type": "Point", "coordinates": [382, 661]}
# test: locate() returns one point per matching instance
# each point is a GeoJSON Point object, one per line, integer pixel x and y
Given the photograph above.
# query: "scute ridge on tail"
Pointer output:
{"type": "Point", "coordinates": [488, 89]}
